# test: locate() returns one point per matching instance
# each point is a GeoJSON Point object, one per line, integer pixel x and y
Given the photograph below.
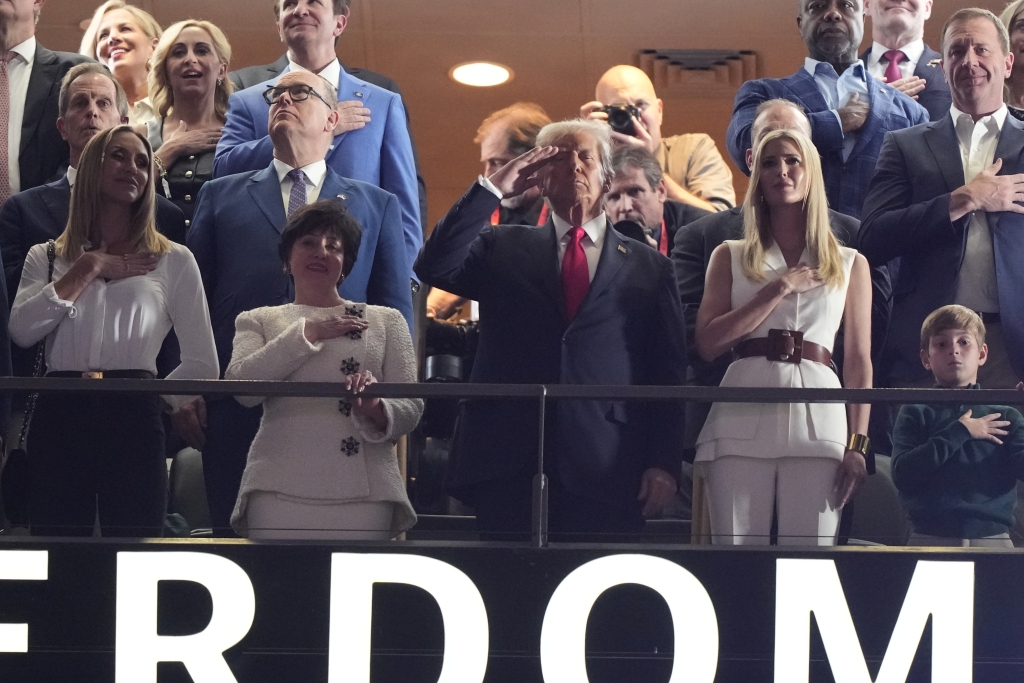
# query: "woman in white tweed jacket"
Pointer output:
{"type": "Point", "coordinates": [323, 468]}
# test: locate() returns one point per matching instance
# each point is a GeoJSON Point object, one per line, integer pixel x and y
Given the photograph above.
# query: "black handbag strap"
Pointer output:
{"type": "Point", "coordinates": [37, 370]}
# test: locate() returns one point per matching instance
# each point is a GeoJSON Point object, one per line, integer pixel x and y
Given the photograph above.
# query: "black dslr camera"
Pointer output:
{"type": "Point", "coordinates": [620, 118]}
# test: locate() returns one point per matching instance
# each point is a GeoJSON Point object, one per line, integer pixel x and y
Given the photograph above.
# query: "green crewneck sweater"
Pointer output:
{"type": "Point", "coordinates": [951, 484]}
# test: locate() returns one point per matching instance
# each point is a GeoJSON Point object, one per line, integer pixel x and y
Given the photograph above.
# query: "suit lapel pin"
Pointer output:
{"type": "Point", "coordinates": [342, 197]}
{"type": "Point", "coordinates": [358, 94]}
{"type": "Point", "coordinates": [622, 248]}
{"type": "Point", "coordinates": [935, 62]}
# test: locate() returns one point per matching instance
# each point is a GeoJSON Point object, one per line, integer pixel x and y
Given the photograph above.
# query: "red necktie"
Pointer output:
{"type": "Point", "coordinates": [5, 116]}
{"type": "Point", "coordinates": [575, 273]}
{"type": "Point", "coordinates": [892, 70]}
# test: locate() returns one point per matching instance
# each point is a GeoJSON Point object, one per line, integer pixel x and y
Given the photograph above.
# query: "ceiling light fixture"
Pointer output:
{"type": "Point", "coordinates": [481, 74]}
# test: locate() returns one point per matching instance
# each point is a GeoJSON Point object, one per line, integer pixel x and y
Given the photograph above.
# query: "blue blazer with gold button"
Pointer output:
{"type": "Point", "coordinates": [237, 228]}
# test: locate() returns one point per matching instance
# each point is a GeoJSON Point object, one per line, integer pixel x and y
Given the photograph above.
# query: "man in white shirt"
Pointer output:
{"type": "Point", "coordinates": [945, 201]}
{"type": "Point", "coordinates": [30, 77]}
{"type": "Point", "coordinates": [899, 56]}
{"type": "Point", "coordinates": [849, 109]}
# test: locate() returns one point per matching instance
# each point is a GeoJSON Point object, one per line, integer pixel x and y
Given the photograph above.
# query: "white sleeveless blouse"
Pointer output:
{"type": "Point", "coordinates": [775, 430]}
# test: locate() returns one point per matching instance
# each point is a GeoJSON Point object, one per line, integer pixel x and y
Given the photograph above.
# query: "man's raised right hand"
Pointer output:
{"type": "Point", "coordinates": [520, 174]}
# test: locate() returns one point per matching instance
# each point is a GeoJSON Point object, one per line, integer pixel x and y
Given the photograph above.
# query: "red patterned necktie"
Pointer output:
{"type": "Point", "coordinates": [892, 70]}
{"type": "Point", "coordinates": [5, 117]}
{"type": "Point", "coordinates": [575, 273]}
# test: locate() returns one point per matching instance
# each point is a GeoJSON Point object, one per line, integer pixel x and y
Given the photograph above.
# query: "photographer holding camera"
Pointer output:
{"type": "Point", "coordinates": [695, 172]}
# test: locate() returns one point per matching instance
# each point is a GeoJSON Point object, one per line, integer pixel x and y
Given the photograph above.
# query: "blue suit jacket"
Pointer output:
{"type": "Point", "coordinates": [236, 231]}
{"type": "Point", "coordinates": [380, 153]}
{"type": "Point", "coordinates": [906, 217]}
{"type": "Point", "coordinates": [629, 330]}
{"type": "Point", "coordinates": [846, 183]}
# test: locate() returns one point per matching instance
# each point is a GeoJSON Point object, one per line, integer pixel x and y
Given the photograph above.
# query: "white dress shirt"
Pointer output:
{"type": "Point", "coordinates": [118, 324]}
{"type": "Point", "coordinates": [976, 288]}
{"type": "Point", "coordinates": [592, 242]}
{"type": "Point", "coordinates": [837, 91]}
{"type": "Point", "coordinates": [19, 70]}
{"type": "Point", "coordinates": [330, 73]}
{"type": "Point", "coordinates": [315, 174]}
{"type": "Point", "coordinates": [877, 65]}
{"type": "Point", "coordinates": [142, 112]}
{"type": "Point", "coordinates": [72, 175]}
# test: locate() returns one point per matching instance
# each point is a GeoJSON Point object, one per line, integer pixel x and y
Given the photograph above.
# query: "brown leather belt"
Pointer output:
{"type": "Point", "coordinates": [784, 346]}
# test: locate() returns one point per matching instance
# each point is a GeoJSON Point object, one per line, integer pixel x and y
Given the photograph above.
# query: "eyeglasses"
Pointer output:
{"type": "Point", "coordinates": [297, 93]}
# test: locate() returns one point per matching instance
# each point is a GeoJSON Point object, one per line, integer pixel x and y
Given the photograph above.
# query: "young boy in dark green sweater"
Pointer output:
{"type": "Point", "coordinates": [957, 466]}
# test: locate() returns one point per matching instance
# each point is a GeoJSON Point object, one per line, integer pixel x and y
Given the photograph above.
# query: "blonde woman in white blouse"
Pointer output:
{"type": "Point", "coordinates": [118, 288]}
{"type": "Point", "coordinates": [324, 468]}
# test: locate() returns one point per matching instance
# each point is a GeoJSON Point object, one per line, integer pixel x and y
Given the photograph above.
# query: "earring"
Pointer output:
{"type": "Point", "coordinates": [342, 278]}
{"type": "Point", "coordinates": [220, 82]}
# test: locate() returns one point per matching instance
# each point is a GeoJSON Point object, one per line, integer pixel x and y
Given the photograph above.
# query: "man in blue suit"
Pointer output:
{"type": "Point", "coordinates": [371, 139]}
{"type": "Point", "coordinates": [570, 302]}
{"type": "Point", "coordinates": [955, 225]}
{"type": "Point", "coordinates": [899, 54]}
{"type": "Point", "coordinates": [235, 235]}
{"type": "Point", "coordinates": [850, 111]}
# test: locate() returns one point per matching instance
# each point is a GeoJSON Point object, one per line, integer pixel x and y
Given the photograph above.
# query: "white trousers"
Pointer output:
{"type": "Point", "coordinates": [272, 518]}
{"type": "Point", "coordinates": [743, 492]}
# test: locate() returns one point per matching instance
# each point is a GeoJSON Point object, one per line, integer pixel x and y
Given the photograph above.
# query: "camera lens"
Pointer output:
{"type": "Point", "coordinates": [620, 118]}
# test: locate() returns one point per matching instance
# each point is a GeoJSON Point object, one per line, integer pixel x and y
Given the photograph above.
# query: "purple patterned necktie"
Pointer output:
{"type": "Point", "coordinates": [5, 115]}
{"type": "Point", "coordinates": [297, 197]}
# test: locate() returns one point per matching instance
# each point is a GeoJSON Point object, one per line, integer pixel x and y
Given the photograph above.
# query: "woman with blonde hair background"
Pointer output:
{"type": "Point", "coordinates": [123, 37]}
{"type": "Point", "coordinates": [776, 298]}
{"type": "Point", "coordinates": [189, 89]}
{"type": "Point", "coordinates": [116, 290]}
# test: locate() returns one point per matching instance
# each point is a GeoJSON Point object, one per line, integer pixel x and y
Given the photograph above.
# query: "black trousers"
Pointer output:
{"type": "Point", "coordinates": [97, 453]}
{"type": "Point", "coordinates": [230, 430]}
{"type": "Point", "coordinates": [504, 512]}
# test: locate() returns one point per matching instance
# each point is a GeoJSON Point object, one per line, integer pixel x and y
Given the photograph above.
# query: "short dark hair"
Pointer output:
{"type": "Point", "coordinates": [340, 7]}
{"type": "Point", "coordinates": [120, 99]}
{"type": "Point", "coordinates": [638, 157]}
{"type": "Point", "coordinates": [324, 217]}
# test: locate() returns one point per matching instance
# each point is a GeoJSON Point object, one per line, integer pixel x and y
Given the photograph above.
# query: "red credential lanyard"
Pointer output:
{"type": "Point", "coordinates": [541, 219]}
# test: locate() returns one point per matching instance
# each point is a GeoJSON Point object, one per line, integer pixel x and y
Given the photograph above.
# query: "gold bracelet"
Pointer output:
{"type": "Point", "coordinates": [860, 443]}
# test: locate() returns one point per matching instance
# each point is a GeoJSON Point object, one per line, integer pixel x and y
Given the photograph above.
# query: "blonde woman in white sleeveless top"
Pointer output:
{"type": "Point", "coordinates": [776, 298]}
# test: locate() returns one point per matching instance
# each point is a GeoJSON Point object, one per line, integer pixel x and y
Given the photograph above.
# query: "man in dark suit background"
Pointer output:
{"type": "Point", "coordinates": [571, 302]}
{"type": "Point", "coordinates": [850, 110]}
{"type": "Point", "coordinates": [235, 235]}
{"type": "Point", "coordinates": [898, 54]}
{"type": "Point", "coordinates": [90, 100]}
{"type": "Point", "coordinates": [30, 86]}
{"type": "Point", "coordinates": [638, 194]}
{"type": "Point", "coordinates": [253, 75]}
{"type": "Point", "coordinates": [955, 225]}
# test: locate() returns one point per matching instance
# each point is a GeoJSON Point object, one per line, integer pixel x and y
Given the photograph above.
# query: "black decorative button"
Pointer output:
{"type": "Point", "coordinates": [350, 366]}
{"type": "Point", "coordinates": [350, 446]}
{"type": "Point", "coordinates": [355, 334]}
{"type": "Point", "coordinates": [354, 310]}
{"type": "Point", "coordinates": [345, 407]}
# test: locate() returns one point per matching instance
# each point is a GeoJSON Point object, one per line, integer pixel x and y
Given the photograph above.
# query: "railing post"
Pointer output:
{"type": "Point", "coordinates": [540, 483]}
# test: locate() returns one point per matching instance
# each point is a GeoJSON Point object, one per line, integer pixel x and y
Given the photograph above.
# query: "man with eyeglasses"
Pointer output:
{"type": "Point", "coordinates": [371, 137]}
{"type": "Point", "coordinates": [235, 236]}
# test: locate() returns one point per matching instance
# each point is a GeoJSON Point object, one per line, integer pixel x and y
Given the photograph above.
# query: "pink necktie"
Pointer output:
{"type": "Point", "coordinates": [575, 273]}
{"type": "Point", "coordinates": [5, 117]}
{"type": "Point", "coordinates": [892, 70]}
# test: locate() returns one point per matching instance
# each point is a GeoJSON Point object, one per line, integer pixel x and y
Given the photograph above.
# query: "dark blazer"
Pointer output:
{"type": "Point", "coordinates": [43, 151]}
{"type": "Point", "coordinates": [629, 330]}
{"type": "Point", "coordinates": [254, 75]}
{"type": "Point", "coordinates": [236, 231]}
{"type": "Point", "coordinates": [935, 97]}
{"type": "Point", "coordinates": [907, 218]}
{"type": "Point", "coordinates": [379, 153]}
{"type": "Point", "coordinates": [678, 214]}
{"type": "Point", "coordinates": [34, 216]}
{"type": "Point", "coordinates": [846, 183]}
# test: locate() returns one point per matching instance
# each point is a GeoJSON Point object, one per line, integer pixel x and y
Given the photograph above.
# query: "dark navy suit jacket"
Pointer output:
{"type": "Point", "coordinates": [629, 330]}
{"type": "Point", "coordinates": [379, 154]}
{"type": "Point", "coordinates": [935, 97]}
{"type": "Point", "coordinates": [906, 217]}
{"type": "Point", "coordinates": [846, 183]}
{"type": "Point", "coordinates": [236, 231]}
